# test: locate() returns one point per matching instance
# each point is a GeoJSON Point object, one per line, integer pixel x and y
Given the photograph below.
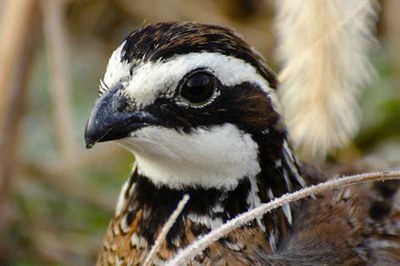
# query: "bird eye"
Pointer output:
{"type": "Point", "coordinates": [198, 88]}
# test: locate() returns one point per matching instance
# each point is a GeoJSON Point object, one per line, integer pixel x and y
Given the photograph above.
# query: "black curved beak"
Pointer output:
{"type": "Point", "coordinates": [108, 121]}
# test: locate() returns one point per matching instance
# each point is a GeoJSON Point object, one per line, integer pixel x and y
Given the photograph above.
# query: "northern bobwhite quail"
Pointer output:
{"type": "Point", "coordinates": [198, 108]}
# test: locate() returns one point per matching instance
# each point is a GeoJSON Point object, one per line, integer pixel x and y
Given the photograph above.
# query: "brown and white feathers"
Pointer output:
{"type": "Point", "coordinates": [198, 108]}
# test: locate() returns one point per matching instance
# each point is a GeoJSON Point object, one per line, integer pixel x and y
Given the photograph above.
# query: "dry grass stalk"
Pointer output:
{"type": "Point", "coordinates": [17, 28]}
{"type": "Point", "coordinates": [16, 18]}
{"type": "Point", "coordinates": [164, 231]}
{"type": "Point", "coordinates": [392, 34]}
{"type": "Point", "coordinates": [324, 47]}
{"type": "Point", "coordinates": [185, 255]}
{"type": "Point", "coordinates": [67, 183]}
{"type": "Point", "coordinates": [56, 46]}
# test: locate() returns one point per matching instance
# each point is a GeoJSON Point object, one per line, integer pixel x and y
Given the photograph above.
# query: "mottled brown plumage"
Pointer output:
{"type": "Point", "coordinates": [359, 225]}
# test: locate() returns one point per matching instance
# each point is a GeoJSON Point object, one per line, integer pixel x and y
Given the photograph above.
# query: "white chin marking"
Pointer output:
{"type": "Point", "coordinates": [210, 158]}
{"type": "Point", "coordinates": [151, 79]}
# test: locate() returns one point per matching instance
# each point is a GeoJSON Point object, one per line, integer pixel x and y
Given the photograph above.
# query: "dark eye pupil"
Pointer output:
{"type": "Point", "coordinates": [198, 88]}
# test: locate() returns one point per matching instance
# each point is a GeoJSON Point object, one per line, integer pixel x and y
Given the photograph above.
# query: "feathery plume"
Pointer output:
{"type": "Point", "coordinates": [324, 47]}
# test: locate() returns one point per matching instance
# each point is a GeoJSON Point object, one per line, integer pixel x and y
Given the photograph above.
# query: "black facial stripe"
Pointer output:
{"type": "Point", "coordinates": [166, 40]}
{"type": "Point", "coordinates": [249, 108]}
{"type": "Point", "coordinates": [246, 106]}
{"type": "Point", "coordinates": [162, 201]}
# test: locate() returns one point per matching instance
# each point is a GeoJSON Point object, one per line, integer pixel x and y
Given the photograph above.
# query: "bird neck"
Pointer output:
{"type": "Point", "coordinates": [209, 208]}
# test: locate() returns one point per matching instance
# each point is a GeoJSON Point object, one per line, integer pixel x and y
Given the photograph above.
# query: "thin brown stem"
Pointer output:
{"type": "Point", "coordinates": [57, 48]}
{"type": "Point", "coordinates": [14, 75]}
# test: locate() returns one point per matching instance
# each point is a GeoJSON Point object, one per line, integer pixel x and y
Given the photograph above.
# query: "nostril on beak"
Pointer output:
{"type": "Point", "coordinates": [120, 103]}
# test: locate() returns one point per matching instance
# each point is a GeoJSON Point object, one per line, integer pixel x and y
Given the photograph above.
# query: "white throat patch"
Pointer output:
{"type": "Point", "coordinates": [210, 158]}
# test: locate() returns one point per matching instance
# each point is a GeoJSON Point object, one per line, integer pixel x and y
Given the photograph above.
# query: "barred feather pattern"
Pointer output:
{"type": "Point", "coordinates": [324, 47]}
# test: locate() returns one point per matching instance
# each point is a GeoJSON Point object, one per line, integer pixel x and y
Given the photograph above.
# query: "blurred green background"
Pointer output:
{"type": "Point", "coordinates": [56, 197]}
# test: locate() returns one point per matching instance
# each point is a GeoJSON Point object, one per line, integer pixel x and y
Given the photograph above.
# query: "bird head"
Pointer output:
{"type": "Point", "coordinates": [193, 102]}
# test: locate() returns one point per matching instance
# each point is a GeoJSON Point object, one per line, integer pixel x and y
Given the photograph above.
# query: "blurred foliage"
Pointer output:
{"type": "Point", "coordinates": [52, 227]}
{"type": "Point", "coordinates": [380, 128]}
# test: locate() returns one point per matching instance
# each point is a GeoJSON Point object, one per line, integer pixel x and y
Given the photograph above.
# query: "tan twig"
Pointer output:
{"type": "Point", "coordinates": [19, 26]}
{"type": "Point", "coordinates": [57, 48]}
{"type": "Point", "coordinates": [164, 231]}
{"type": "Point", "coordinates": [70, 187]}
{"type": "Point", "coordinates": [65, 177]}
{"type": "Point", "coordinates": [185, 255]}
{"type": "Point", "coordinates": [392, 35]}
{"type": "Point", "coordinates": [87, 159]}
{"type": "Point", "coordinates": [15, 20]}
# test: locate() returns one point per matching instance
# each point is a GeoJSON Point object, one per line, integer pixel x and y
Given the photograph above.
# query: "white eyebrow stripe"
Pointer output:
{"type": "Point", "coordinates": [116, 68]}
{"type": "Point", "coordinates": [151, 79]}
